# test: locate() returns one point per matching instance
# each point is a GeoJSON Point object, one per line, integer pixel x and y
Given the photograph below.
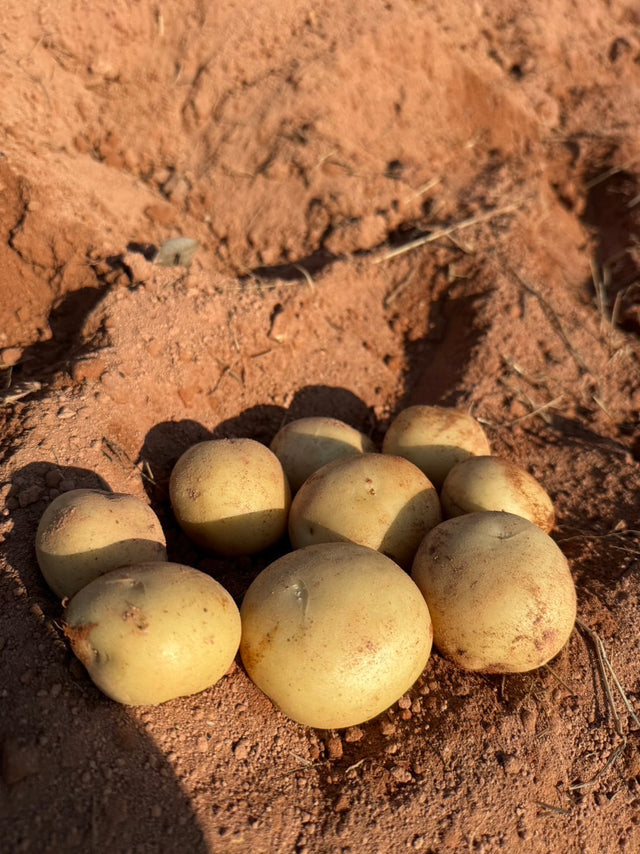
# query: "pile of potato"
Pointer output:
{"type": "Point", "coordinates": [340, 627]}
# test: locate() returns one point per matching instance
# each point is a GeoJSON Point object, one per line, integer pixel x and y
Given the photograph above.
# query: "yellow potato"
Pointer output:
{"type": "Point", "coordinates": [490, 483]}
{"type": "Point", "coordinates": [305, 445]}
{"type": "Point", "coordinates": [375, 500]}
{"type": "Point", "coordinates": [499, 591]}
{"type": "Point", "coordinates": [334, 634]}
{"type": "Point", "coordinates": [153, 632]}
{"type": "Point", "coordinates": [435, 438]}
{"type": "Point", "coordinates": [230, 496]}
{"type": "Point", "coordinates": [86, 532]}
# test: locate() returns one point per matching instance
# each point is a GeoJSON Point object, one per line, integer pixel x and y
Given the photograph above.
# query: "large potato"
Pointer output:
{"type": "Point", "coordinates": [153, 632]}
{"type": "Point", "coordinates": [435, 438]}
{"type": "Point", "coordinates": [86, 532]}
{"type": "Point", "coordinates": [334, 634]}
{"type": "Point", "coordinates": [230, 496]}
{"type": "Point", "coordinates": [499, 591]}
{"type": "Point", "coordinates": [305, 445]}
{"type": "Point", "coordinates": [375, 500]}
{"type": "Point", "coordinates": [490, 483]}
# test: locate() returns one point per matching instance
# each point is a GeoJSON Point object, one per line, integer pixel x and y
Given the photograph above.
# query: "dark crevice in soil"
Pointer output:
{"type": "Point", "coordinates": [612, 212]}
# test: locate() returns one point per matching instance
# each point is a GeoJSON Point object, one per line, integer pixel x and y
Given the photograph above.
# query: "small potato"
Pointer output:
{"type": "Point", "coordinates": [86, 532]}
{"type": "Point", "coordinates": [153, 632]}
{"type": "Point", "coordinates": [490, 483]}
{"type": "Point", "coordinates": [334, 634]}
{"type": "Point", "coordinates": [230, 496]}
{"type": "Point", "coordinates": [435, 438]}
{"type": "Point", "coordinates": [305, 445]}
{"type": "Point", "coordinates": [375, 500]}
{"type": "Point", "coordinates": [499, 591]}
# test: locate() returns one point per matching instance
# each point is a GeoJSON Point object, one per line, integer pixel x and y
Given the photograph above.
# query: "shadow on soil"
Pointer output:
{"type": "Point", "coordinates": [107, 785]}
{"type": "Point", "coordinates": [438, 361]}
{"type": "Point", "coordinates": [612, 212]}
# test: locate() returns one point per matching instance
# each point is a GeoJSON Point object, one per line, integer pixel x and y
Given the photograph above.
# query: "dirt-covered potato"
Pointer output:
{"type": "Point", "coordinates": [305, 445]}
{"type": "Point", "coordinates": [153, 632]}
{"type": "Point", "coordinates": [86, 532]}
{"type": "Point", "coordinates": [499, 591]}
{"type": "Point", "coordinates": [435, 438]}
{"type": "Point", "coordinates": [334, 634]}
{"type": "Point", "coordinates": [491, 483]}
{"type": "Point", "coordinates": [230, 496]}
{"type": "Point", "coordinates": [375, 500]}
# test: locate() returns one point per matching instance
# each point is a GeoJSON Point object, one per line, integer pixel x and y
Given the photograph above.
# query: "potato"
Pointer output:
{"type": "Point", "coordinates": [376, 500]}
{"type": "Point", "coordinates": [490, 483]}
{"type": "Point", "coordinates": [499, 591]}
{"type": "Point", "coordinates": [334, 634]}
{"type": "Point", "coordinates": [86, 532]}
{"type": "Point", "coordinates": [230, 496]}
{"type": "Point", "coordinates": [435, 438]}
{"type": "Point", "coordinates": [152, 632]}
{"type": "Point", "coordinates": [305, 445]}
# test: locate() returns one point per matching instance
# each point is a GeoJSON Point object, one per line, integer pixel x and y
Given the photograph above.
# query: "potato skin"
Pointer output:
{"type": "Point", "coordinates": [230, 496]}
{"type": "Point", "coordinates": [305, 445]}
{"type": "Point", "coordinates": [375, 500]}
{"type": "Point", "coordinates": [490, 483]}
{"type": "Point", "coordinates": [499, 591]}
{"type": "Point", "coordinates": [334, 634]}
{"type": "Point", "coordinates": [435, 438]}
{"type": "Point", "coordinates": [86, 532]}
{"type": "Point", "coordinates": [153, 632]}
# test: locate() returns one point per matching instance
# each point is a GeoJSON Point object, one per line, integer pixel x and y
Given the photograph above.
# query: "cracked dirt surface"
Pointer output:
{"type": "Point", "coordinates": [397, 203]}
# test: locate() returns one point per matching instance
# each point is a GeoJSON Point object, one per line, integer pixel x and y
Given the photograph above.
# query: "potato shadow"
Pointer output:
{"type": "Point", "coordinates": [167, 441]}
{"type": "Point", "coordinates": [78, 771]}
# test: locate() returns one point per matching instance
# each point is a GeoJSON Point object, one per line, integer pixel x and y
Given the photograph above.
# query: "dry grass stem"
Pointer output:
{"type": "Point", "coordinates": [555, 322]}
{"type": "Point", "coordinates": [444, 232]}
{"type": "Point", "coordinates": [394, 293]}
{"type": "Point", "coordinates": [560, 680]}
{"type": "Point", "coordinates": [17, 392]}
{"type": "Point", "coordinates": [551, 808]}
{"type": "Point", "coordinates": [306, 274]}
{"type": "Point", "coordinates": [607, 674]}
{"type": "Point", "coordinates": [424, 188]}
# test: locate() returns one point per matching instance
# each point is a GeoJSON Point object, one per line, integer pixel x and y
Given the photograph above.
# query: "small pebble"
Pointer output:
{"type": "Point", "coordinates": [30, 495]}
{"type": "Point", "coordinates": [334, 747]}
{"type": "Point", "coordinates": [401, 775]}
{"type": "Point", "coordinates": [202, 744]}
{"type": "Point", "coordinates": [241, 749]}
{"type": "Point", "coordinates": [353, 734]}
{"type": "Point", "coordinates": [387, 728]}
{"type": "Point", "coordinates": [53, 477]}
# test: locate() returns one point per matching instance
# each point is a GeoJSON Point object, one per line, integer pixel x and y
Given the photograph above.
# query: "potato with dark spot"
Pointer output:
{"type": "Point", "coordinates": [305, 445]}
{"type": "Point", "coordinates": [499, 591]}
{"type": "Point", "coordinates": [87, 532]}
{"type": "Point", "coordinates": [334, 634]}
{"type": "Point", "coordinates": [375, 500]}
{"type": "Point", "coordinates": [230, 496]}
{"type": "Point", "coordinates": [153, 632]}
{"type": "Point", "coordinates": [491, 483]}
{"type": "Point", "coordinates": [435, 438]}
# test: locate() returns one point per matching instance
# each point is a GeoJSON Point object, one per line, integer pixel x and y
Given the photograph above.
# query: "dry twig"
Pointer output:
{"type": "Point", "coordinates": [607, 673]}
{"type": "Point", "coordinates": [444, 232]}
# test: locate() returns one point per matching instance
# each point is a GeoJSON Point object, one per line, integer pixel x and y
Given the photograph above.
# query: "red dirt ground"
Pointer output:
{"type": "Point", "coordinates": [301, 146]}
